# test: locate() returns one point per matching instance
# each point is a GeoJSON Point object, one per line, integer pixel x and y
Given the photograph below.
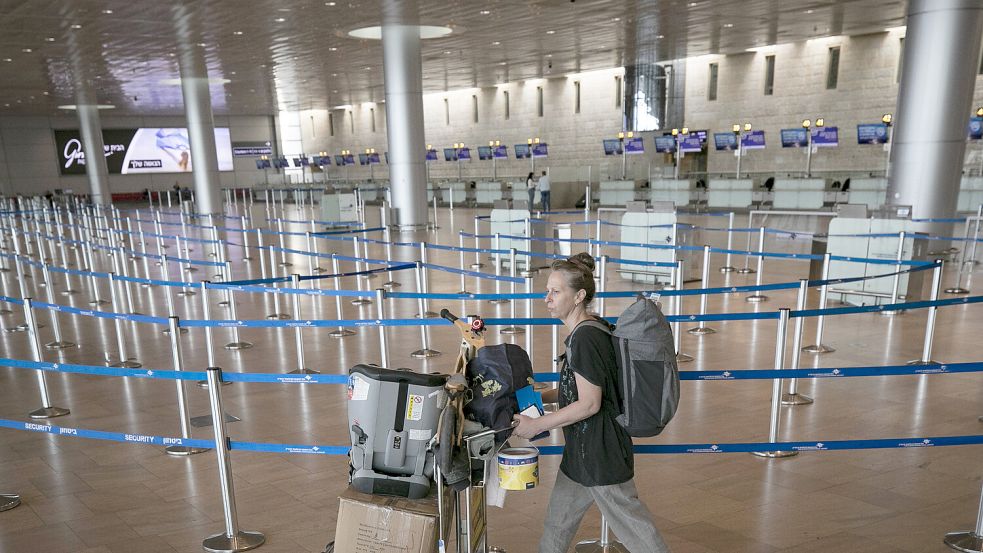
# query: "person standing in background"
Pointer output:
{"type": "Point", "coordinates": [544, 191]}
{"type": "Point", "coordinates": [531, 189]}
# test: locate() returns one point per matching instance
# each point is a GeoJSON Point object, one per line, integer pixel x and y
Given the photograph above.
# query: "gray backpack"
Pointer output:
{"type": "Point", "coordinates": [648, 377]}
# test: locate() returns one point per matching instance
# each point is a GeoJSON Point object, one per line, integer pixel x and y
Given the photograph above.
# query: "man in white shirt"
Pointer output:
{"type": "Point", "coordinates": [544, 191]}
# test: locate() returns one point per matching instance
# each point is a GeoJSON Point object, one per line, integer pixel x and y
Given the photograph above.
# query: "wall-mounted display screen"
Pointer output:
{"type": "Point", "coordinates": [262, 164]}
{"type": "Point", "coordinates": [753, 140]}
{"type": "Point", "coordinates": [540, 150]}
{"type": "Point", "coordinates": [450, 154]}
{"type": "Point", "coordinates": [634, 146]}
{"type": "Point", "coordinates": [665, 144]}
{"type": "Point", "coordinates": [794, 138]}
{"type": "Point", "coordinates": [522, 151]}
{"type": "Point", "coordinates": [612, 146]}
{"type": "Point", "coordinates": [725, 141]}
{"type": "Point", "coordinates": [144, 150]}
{"type": "Point", "coordinates": [484, 152]}
{"type": "Point", "coordinates": [500, 152]}
{"type": "Point", "coordinates": [873, 133]}
{"type": "Point", "coordinates": [825, 137]}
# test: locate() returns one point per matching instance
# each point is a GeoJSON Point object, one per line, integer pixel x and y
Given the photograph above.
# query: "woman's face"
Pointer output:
{"type": "Point", "coordinates": [561, 299]}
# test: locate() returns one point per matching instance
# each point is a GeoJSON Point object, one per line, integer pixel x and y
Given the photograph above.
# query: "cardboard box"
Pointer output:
{"type": "Point", "coordinates": [383, 524]}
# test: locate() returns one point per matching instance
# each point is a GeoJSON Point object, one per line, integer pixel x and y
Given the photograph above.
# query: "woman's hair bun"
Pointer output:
{"type": "Point", "coordinates": [584, 260]}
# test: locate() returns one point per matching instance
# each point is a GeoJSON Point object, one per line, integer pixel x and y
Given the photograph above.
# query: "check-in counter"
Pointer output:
{"type": "Point", "coordinates": [459, 194]}
{"type": "Point", "coordinates": [730, 193]}
{"type": "Point", "coordinates": [970, 194]}
{"type": "Point", "coordinates": [616, 192]}
{"type": "Point", "coordinates": [656, 228]}
{"type": "Point", "coordinates": [679, 192]}
{"type": "Point", "coordinates": [805, 194]}
{"type": "Point", "coordinates": [869, 191]}
{"type": "Point", "coordinates": [338, 207]}
{"type": "Point", "coordinates": [512, 222]}
{"type": "Point", "coordinates": [488, 192]}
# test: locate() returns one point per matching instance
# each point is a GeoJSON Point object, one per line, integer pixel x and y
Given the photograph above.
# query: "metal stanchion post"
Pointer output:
{"type": "Point", "coordinates": [529, 270]}
{"type": "Point", "coordinates": [555, 365]}
{"type": "Point", "coordinates": [425, 351]}
{"type": "Point", "coordinates": [602, 545]}
{"type": "Point", "coordinates": [283, 248]}
{"type": "Point", "coordinates": [341, 332]}
{"type": "Point", "coordinates": [968, 542]}
{"type": "Point", "coordinates": [819, 347]}
{"type": "Point", "coordinates": [236, 343]}
{"type": "Point", "coordinates": [498, 269]}
{"type": "Point", "coordinates": [58, 343]}
{"type": "Point", "coordinates": [513, 328]}
{"type": "Point", "coordinates": [177, 361]}
{"type": "Point", "coordinates": [702, 328]}
{"type": "Point", "coordinates": [603, 274]}
{"type": "Point", "coordinates": [728, 268]}
{"type": "Point", "coordinates": [758, 297]}
{"type": "Point", "coordinates": [47, 410]}
{"type": "Point", "coordinates": [529, 327]}
{"type": "Point", "coordinates": [426, 282]}
{"type": "Point", "coordinates": [124, 360]}
{"type": "Point", "coordinates": [678, 301]}
{"type": "Point", "coordinates": [233, 539]}
{"type": "Point", "coordinates": [312, 266]}
{"type": "Point", "coordinates": [793, 397]}
{"type": "Point", "coordinates": [262, 255]}
{"type": "Point", "coordinates": [380, 298]}
{"type": "Point", "coordinates": [298, 331]}
{"type": "Point", "coordinates": [460, 255]}
{"type": "Point", "coordinates": [746, 269]}
{"type": "Point", "coordinates": [276, 314]}
{"type": "Point", "coordinates": [776, 389]}
{"type": "Point", "coordinates": [477, 255]}
{"type": "Point", "coordinates": [926, 358]}
{"type": "Point", "coordinates": [246, 256]}
{"type": "Point", "coordinates": [358, 281]}
{"type": "Point", "coordinates": [896, 285]}
{"type": "Point", "coordinates": [167, 295]}
{"type": "Point", "coordinates": [976, 236]}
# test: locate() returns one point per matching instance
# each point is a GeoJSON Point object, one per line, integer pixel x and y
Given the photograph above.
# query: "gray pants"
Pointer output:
{"type": "Point", "coordinates": [627, 516]}
{"type": "Point", "coordinates": [532, 197]}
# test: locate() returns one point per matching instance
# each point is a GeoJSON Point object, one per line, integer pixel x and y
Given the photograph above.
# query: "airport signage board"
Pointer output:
{"type": "Point", "coordinates": [263, 164]}
{"type": "Point", "coordinates": [464, 154]}
{"type": "Point", "coordinates": [450, 154]}
{"type": "Point", "coordinates": [976, 128]}
{"type": "Point", "coordinates": [251, 149]}
{"type": "Point", "coordinates": [690, 143]}
{"type": "Point", "coordinates": [612, 146]}
{"type": "Point", "coordinates": [826, 137]}
{"type": "Point", "coordinates": [665, 144]}
{"type": "Point", "coordinates": [794, 138]}
{"type": "Point", "coordinates": [873, 133]}
{"type": "Point", "coordinates": [484, 153]}
{"type": "Point", "coordinates": [431, 155]}
{"type": "Point", "coordinates": [500, 152]}
{"type": "Point", "coordinates": [522, 151]}
{"type": "Point", "coordinates": [753, 140]}
{"type": "Point", "coordinates": [540, 150]}
{"type": "Point", "coordinates": [143, 150]}
{"type": "Point", "coordinates": [634, 145]}
{"type": "Point", "coordinates": [725, 141]}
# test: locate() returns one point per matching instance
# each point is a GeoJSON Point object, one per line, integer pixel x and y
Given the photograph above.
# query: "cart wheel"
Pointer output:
{"type": "Point", "coordinates": [445, 446]}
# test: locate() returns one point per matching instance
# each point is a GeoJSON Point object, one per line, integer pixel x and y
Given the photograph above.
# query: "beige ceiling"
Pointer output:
{"type": "Point", "coordinates": [296, 54]}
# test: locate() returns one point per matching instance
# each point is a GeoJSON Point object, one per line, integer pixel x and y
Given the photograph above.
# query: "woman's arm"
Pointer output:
{"type": "Point", "coordinates": [587, 404]}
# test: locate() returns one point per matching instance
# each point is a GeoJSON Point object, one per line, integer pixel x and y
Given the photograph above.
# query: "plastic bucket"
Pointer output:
{"type": "Point", "coordinates": [518, 468]}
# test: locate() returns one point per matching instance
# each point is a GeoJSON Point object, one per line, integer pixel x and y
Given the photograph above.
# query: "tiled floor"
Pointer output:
{"type": "Point", "coordinates": [97, 497]}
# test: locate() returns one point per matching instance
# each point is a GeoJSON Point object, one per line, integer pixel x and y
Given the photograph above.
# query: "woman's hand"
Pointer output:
{"type": "Point", "coordinates": [526, 427]}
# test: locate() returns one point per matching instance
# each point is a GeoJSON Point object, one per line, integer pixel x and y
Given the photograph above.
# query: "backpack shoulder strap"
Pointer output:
{"type": "Point", "coordinates": [592, 322]}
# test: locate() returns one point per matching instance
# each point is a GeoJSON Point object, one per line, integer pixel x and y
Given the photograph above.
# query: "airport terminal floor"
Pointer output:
{"type": "Point", "coordinates": [93, 496]}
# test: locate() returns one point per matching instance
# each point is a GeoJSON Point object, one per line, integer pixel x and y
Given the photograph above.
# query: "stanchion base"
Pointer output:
{"type": "Point", "coordinates": [700, 331]}
{"type": "Point", "coordinates": [746, 271]}
{"type": "Point", "coordinates": [818, 348]}
{"type": "Point", "coordinates": [318, 270]}
{"type": "Point", "coordinates": [191, 269]}
{"type": "Point", "coordinates": [204, 383]}
{"type": "Point", "coordinates": [892, 313]}
{"type": "Point", "coordinates": [391, 284]}
{"type": "Point", "coordinates": [184, 451]}
{"type": "Point", "coordinates": [187, 293]}
{"type": "Point", "coordinates": [477, 265]}
{"type": "Point", "coordinates": [369, 276]}
{"type": "Point", "coordinates": [98, 302]}
{"type": "Point", "coordinates": [425, 353]}
{"type": "Point", "coordinates": [305, 370]}
{"type": "Point", "coordinates": [250, 259]}
{"type": "Point", "coordinates": [597, 547]}
{"type": "Point", "coordinates": [238, 345]}
{"type": "Point", "coordinates": [775, 454]}
{"type": "Point", "coordinates": [956, 291]}
{"type": "Point", "coordinates": [499, 301]}
{"type": "Point", "coordinates": [61, 345]}
{"type": "Point", "coordinates": [964, 541]}
{"type": "Point", "coordinates": [206, 420]}
{"type": "Point", "coordinates": [48, 412]}
{"type": "Point", "coordinates": [361, 301]}
{"type": "Point", "coordinates": [757, 298]}
{"type": "Point", "coordinates": [683, 358]}
{"type": "Point", "coordinates": [243, 541]}
{"type": "Point", "coordinates": [278, 316]}
{"type": "Point", "coordinates": [428, 315]}
{"type": "Point", "coordinates": [6, 312]}
{"type": "Point", "coordinates": [8, 501]}
{"type": "Point", "coordinates": [18, 328]}
{"type": "Point", "coordinates": [167, 331]}
{"type": "Point", "coordinates": [341, 333]}
{"type": "Point", "coordinates": [126, 365]}
{"type": "Point", "coordinates": [796, 399]}
{"type": "Point", "coordinates": [69, 292]}
{"type": "Point", "coordinates": [727, 269]}
{"type": "Point", "coordinates": [513, 330]}
{"type": "Point", "coordinates": [920, 362]}
{"type": "Point", "coordinates": [285, 264]}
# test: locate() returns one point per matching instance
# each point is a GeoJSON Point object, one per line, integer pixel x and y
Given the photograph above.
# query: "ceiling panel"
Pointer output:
{"type": "Point", "coordinates": [298, 55]}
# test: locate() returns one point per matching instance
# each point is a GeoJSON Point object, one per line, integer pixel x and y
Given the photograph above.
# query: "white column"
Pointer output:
{"type": "Point", "coordinates": [201, 123]}
{"type": "Point", "coordinates": [90, 129]}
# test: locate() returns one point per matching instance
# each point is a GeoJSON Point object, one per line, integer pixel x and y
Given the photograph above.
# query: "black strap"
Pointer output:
{"type": "Point", "coordinates": [401, 397]}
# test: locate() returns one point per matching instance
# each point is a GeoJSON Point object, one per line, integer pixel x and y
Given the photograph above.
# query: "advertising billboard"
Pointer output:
{"type": "Point", "coordinates": [144, 150]}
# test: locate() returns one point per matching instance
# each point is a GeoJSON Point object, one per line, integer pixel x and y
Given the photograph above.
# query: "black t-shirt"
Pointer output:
{"type": "Point", "coordinates": [598, 451]}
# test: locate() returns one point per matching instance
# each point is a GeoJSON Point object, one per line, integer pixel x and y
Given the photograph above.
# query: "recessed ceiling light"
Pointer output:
{"type": "Point", "coordinates": [691, 4]}
{"type": "Point", "coordinates": [76, 26]}
{"type": "Point", "coordinates": [549, 55]}
{"type": "Point", "coordinates": [279, 20]}
{"type": "Point", "coordinates": [330, 4]}
{"type": "Point", "coordinates": [26, 50]}
{"type": "Point", "coordinates": [728, 25]}
{"type": "Point", "coordinates": [660, 36]}
{"type": "Point", "coordinates": [810, 11]}
{"type": "Point", "coordinates": [501, 63]}
{"type": "Point", "coordinates": [107, 12]}
{"type": "Point", "coordinates": [375, 32]}
{"type": "Point", "coordinates": [202, 44]}
{"type": "Point", "coordinates": [7, 59]}
{"type": "Point", "coordinates": [550, 32]}
{"type": "Point", "coordinates": [46, 93]}
{"type": "Point", "coordinates": [496, 43]}
{"type": "Point", "coordinates": [50, 39]}
{"type": "Point", "coordinates": [232, 73]}
{"type": "Point", "coordinates": [334, 92]}
{"type": "Point", "coordinates": [334, 74]}
{"type": "Point", "coordinates": [100, 106]}
{"type": "Point", "coordinates": [332, 49]}
{"type": "Point", "coordinates": [447, 52]}
{"type": "Point", "coordinates": [485, 12]}
{"type": "Point", "coordinates": [213, 80]}
{"type": "Point", "coordinates": [237, 33]}
{"type": "Point", "coordinates": [367, 68]}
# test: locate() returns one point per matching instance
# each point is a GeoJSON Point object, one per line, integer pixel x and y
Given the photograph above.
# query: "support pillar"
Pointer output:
{"type": "Point", "coordinates": [90, 129]}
